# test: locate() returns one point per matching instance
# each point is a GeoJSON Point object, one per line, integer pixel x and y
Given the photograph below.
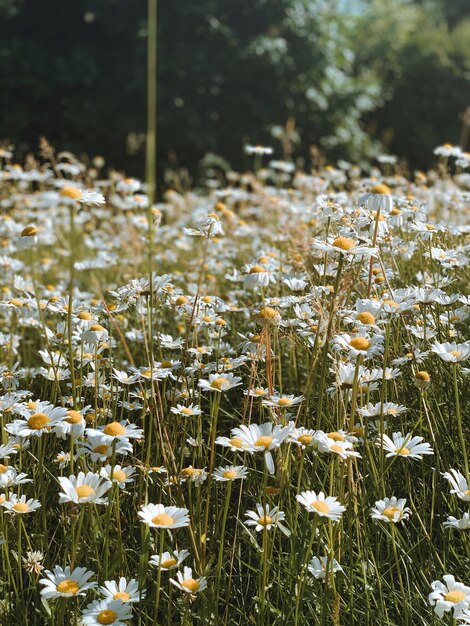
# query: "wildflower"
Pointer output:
{"type": "Point", "coordinates": [405, 446]}
{"type": "Point", "coordinates": [169, 560]}
{"type": "Point", "coordinates": [118, 474]}
{"type": "Point", "coordinates": [66, 583]}
{"type": "Point", "coordinates": [266, 518]}
{"type": "Point", "coordinates": [390, 510]}
{"type": "Point", "coordinates": [321, 567]}
{"type": "Point", "coordinates": [458, 524]}
{"type": "Point", "coordinates": [37, 421]}
{"type": "Point", "coordinates": [159, 516]}
{"type": "Point", "coordinates": [305, 437]}
{"type": "Point", "coordinates": [422, 380]}
{"type": "Point", "coordinates": [324, 506]}
{"type": "Point", "coordinates": [458, 483]}
{"type": "Point", "coordinates": [100, 612]}
{"type": "Point", "coordinates": [229, 473]}
{"type": "Point", "coordinates": [116, 431]}
{"type": "Point", "coordinates": [122, 590]}
{"type": "Point", "coordinates": [452, 352]}
{"type": "Point", "coordinates": [262, 438]}
{"type": "Point", "coordinates": [32, 563]}
{"type": "Point", "coordinates": [450, 596]}
{"type": "Point", "coordinates": [282, 402]}
{"type": "Point", "coordinates": [186, 411]}
{"type": "Point", "coordinates": [220, 382]}
{"type": "Point", "coordinates": [20, 506]}
{"type": "Point", "coordinates": [257, 276]}
{"type": "Point", "coordinates": [83, 489]}
{"type": "Point", "coordinates": [185, 582]}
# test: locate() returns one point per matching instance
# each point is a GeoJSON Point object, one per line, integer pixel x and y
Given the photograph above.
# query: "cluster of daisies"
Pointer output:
{"type": "Point", "coordinates": [184, 381]}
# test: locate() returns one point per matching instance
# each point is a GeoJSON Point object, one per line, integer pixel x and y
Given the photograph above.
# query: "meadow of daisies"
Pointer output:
{"type": "Point", "coordinates": [241, 406]}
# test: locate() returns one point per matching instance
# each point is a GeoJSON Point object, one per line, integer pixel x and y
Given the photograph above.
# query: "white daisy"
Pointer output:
{"type": "Point", "coordinates": [122, 590]}
{"type": "Point", "coordinates": [266, 518]}
{"type": "Point", "coordinates": [169, 560]}
{"type": "Point", "coordinates": [101, 612]}
{"type": "Point", "coordinates": [405, 446]}
{"type": "Point", "coordinates": [324, 506]}
{"type": "Point", "coordinates": [66, 583]}
{"type": "Point", "coordinates": [390, 510]}
{"type": "Point", "coordinates": [187, 583]}
{"type": "Point", "coordinates": [449, 597]}
{"type": "Point", "coordinates": [83, 489]}
{"type": "Point", "coordinates": [159, 516]}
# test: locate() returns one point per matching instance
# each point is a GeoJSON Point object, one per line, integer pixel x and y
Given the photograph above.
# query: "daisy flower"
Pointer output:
{"type": "Point", "coordinates": [170, 560]}
{"type": "Point", "coordinates": [66, 583]}
{"type": "Point", "coordinates": [229, 473]}
{"type": "Point", "coordinates": [185, 582]}
{"type": "Point", "coordinates": [282, 402]}
{"type": "Point", "coordinates": [159, 516]}
{"type": "Point", "coordinates": [405, 446]}
{"type": "Point", "coordinates": [122, 590]}
{"type": "Point", "coordinates": [121, 475]}
{"type": "Point", "coordinates": [390, 510]}
{"type": "Point", "coordinates": [458, 524]}
{"type": "Point", "coordinates": [37, 421]}
{"type": "Point", "coordinates": [220, 382]}
{"type": "Point", "coordinates": [99, 448]}
{"type": "Point", "coordinates": [21, 506]}
{"type": "Point", "coordinates": [236, 444]}
{"type": "Point", "coordinates": [318, 567]}
{"type": "Point", "coordinates": [263, 438]}
{"type": "Point", "coordinates": [324, 506]}
{"type": "Point", "coordinates": [449, 596]}
{"type": "Point", "coordinates": [186, 411]}
{"type": "Point", "coordinates": [116, 430]}
{"type": "Point", "coordinates": [458, 483]}
{"type": "Point", "coordinates": [305, 437]}
{"type": "Point", "coordinates": [266, 518]}
{"type": "Point", "coordinates": [83, 489]}
{"type": "Point", "coordinates": [452, 352]}
{"type": "Point", "coordinates": [101, 612]}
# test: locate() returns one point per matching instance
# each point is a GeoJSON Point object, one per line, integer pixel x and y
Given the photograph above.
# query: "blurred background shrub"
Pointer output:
{"type": "Point", "coordinates": [345, 78]}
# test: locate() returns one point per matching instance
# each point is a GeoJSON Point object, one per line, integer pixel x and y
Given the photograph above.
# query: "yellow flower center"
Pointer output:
{"type": "Point", "coordinates": [29, 231]}
{"type": "Point", "coordinates": [101, 449]}
{"type": "Point", "coordinates": [162, 519]}
{"type": "Point", "coordinates": [336, 436]}
{"type": "Point", "coordinates": [3, 468]}
{"type": "Point", "coordinates": [190, 584]}
{"type": "Point", "coordinates": [230, 474]}
{"type": "Point", "coordinates": [257, 269]}
{"type": "Point", "coordinates": [391, 511]}
{"type": "Point", "coordinates": [391, 303]}
{"type": "Point", "coordinates": [219, 382]}
{"type": "Point", "coordinates": [107, 616]}
{"type": "Point", "coordinates": [265, 520]}
{"type": "Point", "coordinates": [381, 189]}
{"type": "Point", "coordinates": [402, 451]}
{"type": "Point", "coordinates": [96, 328]}
{"type": "Point", "coordinates": [114, 429]}
{"type": "Point", "coordinates": [181, 300]}
{"type": "Point", "coordinates": [336, 448]}
{"type": "Point", "coordinates": [21, 507]}
{"type": "Point", "coordinates": [38, 421]}
{"type": "Point", "coordinates": [321, 506]}
{"type": "Point", "coordinates": [121, 595]}
{"type": "Point", "coordinates": [268, 313]}
{"type": "Point", "coordinates": [85, 315]}
{"type": "Point", "coordinates": [455, 596]}
{"type": "Point", "coordinates": [456, 353]}
{"type": "Point", "coordinates": [119, 475]}
{"type": "Point", "coordinates": [68, 586]}
{"type": "Point", "coordinates": [423, 376]}
{"type": "Point", "coordinates": [264, 441]}
{"type": "Point", "coordinates": [74, 417]}
{"type": "Point", "coordinates": [187, 411]}
{"type": "Point", "coordinates": [359, 343]}
{"type": "Point", "coordinates": [284, 402]}
{"type": "Point", "coordinates": [169, 563]}
{"type": "Point", "coordinates": [366, 318]}
{"type": "Point", "coordinates": [73, 193]}
{"type": "Point", "coordinates": [305, 440]}
{"type": "Point", "coordinates": [84, 491]}
{"type": "Point", "coordinates": [344, 243]}
{"type": "Point", "coordinates": [236, 442]}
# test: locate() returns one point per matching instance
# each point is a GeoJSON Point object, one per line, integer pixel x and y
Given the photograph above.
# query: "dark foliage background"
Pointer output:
{"type": "Point", "coordinates": [351, 77]}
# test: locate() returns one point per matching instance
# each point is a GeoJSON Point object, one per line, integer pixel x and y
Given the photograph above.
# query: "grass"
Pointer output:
{"type": "Point", "coordinates": [259, 281]}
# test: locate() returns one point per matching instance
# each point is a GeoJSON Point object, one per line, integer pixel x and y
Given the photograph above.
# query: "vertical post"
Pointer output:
{"type": "Point", "coordinates": [151, 146]}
